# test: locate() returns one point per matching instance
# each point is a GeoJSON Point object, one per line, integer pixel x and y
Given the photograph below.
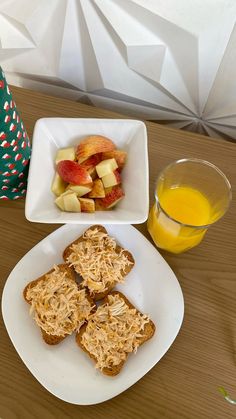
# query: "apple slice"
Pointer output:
{"type": "Point", "coordinates": [112, 197]}
{"type": "Point", "coordinates": [92, 145]}
{"type": "Point", "coordinates": [87, 205]}
{"type": "Point", "coordinates": [90, 164]}
{"type": "Point", "coordinates": [59, 201]}
{"type": "Point", "coordinates": [98, 190]}
{"type": "Point", "coordinates": [65, 154]}
{"type": "Point", "coordinates": [99, 206]}
{"type": "Point", "coordinates": [111, 179]}
{"type": "Point", "coordinates": [92, 161]}
{"type": "Point", "coordinates": [80, 190]}
{"type": "Point", "coordinates": [93, 173]}
{"type": "Point", "coordinates": [58, 185]}
{"type": "Point", "coordinates": [105, 167]}
{"type": "Point", "coordinates": [72, 172]}
{"type": "Point", "coordinates": [119, 155]}
{"type": "Point", "coordinates": [71, 203]}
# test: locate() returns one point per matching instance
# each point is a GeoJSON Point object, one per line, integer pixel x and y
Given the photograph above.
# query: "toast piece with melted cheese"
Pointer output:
{"type": "Point", "coordinates": [99, 260]}
{"type": "Point", "coordinates": [114, 331]}
{"type": "Point", "coordinates": [58, 305]}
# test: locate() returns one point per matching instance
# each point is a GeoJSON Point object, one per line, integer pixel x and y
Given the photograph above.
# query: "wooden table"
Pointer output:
{"type": "Point", "coordinates": [183, 385]}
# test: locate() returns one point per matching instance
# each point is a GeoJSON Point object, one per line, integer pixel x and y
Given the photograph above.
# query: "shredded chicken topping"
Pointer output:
{"type": "Point", "coordinates": [97, 261]}
{"type": "Point", "coordinates": [59, 307]}
{"type": "Point", "coordinates": [113, 331]}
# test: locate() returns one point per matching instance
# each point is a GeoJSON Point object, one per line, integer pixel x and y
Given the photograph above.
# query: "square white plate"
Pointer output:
{"type": "Point", "coordinates": [50, 134]}
{"type": "Point", "coordinates": [65, 370]}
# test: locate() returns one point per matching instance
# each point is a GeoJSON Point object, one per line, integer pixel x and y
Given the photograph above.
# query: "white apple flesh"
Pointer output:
{"type": "Point", "coordinates": [105, 167]}
{"type": "Point", "coordinates": [80, 190]}
{"type": "Point", "coordinates": [65, 154]}
{"type": "Point", "coordinates": [58, 185]}
{"type": "Point", "coordinates": [71, 203]}
{"type": "Point", "coordinates": [111, 179]}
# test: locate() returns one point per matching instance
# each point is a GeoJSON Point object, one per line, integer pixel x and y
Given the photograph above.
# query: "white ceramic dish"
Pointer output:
{"type": "Point", "coordinates": [65, 370]}
{"type": "Point", "coordinates": [53, 133]}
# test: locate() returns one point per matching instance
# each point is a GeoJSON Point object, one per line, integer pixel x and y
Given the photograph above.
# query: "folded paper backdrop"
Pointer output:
{"type": "Point", "coordinates": [14, 146]}
{"type": "Point", "coordinates": [154, 59]}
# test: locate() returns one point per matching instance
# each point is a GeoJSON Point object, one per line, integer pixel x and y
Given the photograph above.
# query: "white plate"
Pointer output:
{"type": "Point", "coordinates": [65, 370]}
{"type": "Point", "coordinates": [50, 134]}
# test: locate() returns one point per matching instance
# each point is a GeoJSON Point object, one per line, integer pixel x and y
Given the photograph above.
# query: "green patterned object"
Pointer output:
{"type": "Point", "coordinates": [15, 146]}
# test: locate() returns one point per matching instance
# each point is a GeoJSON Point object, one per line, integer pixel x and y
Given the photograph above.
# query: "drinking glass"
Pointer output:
{"type": "Point", "coordinates": [190, 196]}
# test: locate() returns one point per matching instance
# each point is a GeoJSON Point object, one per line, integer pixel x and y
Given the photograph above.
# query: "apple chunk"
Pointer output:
{"type": "Point", "coordinates": [59, 200]}
{"type": "Point", "coordinates": [98, 190]}
{"type": "Point", "coordinates": [92, 145]}
{"type": "Point", "coordinates": [112, 197]}
{"type": "Point", "coordinates": [60, 203]}
{"type": "Point", "coordinates": [105, 167]}
{"type": "Point", "coordinates": [99, 206]}
{"type": "Point", "coordinates": [65, 154]}
{"type": "Point", "coordinates": [72, 172]}
{"type": "Point", "coordinates": [71, 203]}
{"type": "Point", "coordinates": [87, 205]}
{"type": "Point", "coordinates": [90, 164]}
{"type": "Point", "coordinates": [80, 190]}
{"type": "Point", "coordinates": [119, 155]}
{"type": "Point", "coordinates": [111, 179]}
{"type": "Point", "coordinates": [92, 161]}
{"type": "Point", "coordinates": [58, 185]}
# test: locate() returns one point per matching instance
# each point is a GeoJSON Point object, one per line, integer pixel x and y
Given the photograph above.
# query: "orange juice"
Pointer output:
{"type": "Point", "coordinates": [177, 227]}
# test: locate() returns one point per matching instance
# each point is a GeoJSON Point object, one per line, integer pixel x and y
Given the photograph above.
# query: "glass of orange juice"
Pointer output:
{"type": "Point", "coordinates": [190, 196]}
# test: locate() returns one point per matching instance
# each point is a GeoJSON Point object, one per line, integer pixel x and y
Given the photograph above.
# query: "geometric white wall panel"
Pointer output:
{"type": "Point", "coordinates": [14, 34]}
{"type": "Point", "coordinates": [155, 59]}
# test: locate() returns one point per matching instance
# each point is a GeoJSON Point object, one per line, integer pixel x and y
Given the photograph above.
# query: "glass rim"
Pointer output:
{"type": "Point", "coordinates": [206, 163]}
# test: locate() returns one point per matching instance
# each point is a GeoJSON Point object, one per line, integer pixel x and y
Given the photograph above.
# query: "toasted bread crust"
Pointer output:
{"type": "Point", "coordinates": [52, 339]}
{"type": "Point", "coordinates": [100, 295]}
{"type": "Point", "coordinates": [148, 332]}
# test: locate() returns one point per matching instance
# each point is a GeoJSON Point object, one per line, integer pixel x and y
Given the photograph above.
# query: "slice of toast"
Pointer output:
{"type": "Point", "coordinates": [49, 338]}
{"type": "Point", "coordinates": [146, 334]}
{"type": "Point", "coordinates": [99, 295]}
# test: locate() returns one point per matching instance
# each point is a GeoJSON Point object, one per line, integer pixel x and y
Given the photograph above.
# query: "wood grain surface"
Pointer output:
{"type": "Point", "coordinates": [183, 385]}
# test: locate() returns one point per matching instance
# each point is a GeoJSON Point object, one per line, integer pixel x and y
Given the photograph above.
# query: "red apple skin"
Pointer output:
{"type": "Point", "coordinates": [71, 172]}
{"type": "Point", "coordinates": [99, 206]}
{"type": "Point", "coordinates": [92, 145]}
{"type": "Point", "coordinates": [90, 164]}
{"type": "Point", "coordinates": [92, 161]}
{"type": "Point", "coordinates": [118, 176]}
{"type": "Point", "coordinates": [111, 197]}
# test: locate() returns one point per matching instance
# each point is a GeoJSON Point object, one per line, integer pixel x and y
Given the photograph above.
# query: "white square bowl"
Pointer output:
{"type": "Point", "coordinates": [50, 134]}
